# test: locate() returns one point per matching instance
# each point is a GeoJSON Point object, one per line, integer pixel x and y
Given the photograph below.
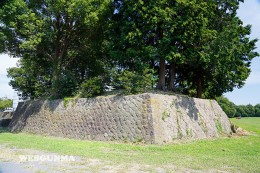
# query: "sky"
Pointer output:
{"type": "Point", "coordinates": [5, 63]}
{"type": "Point", "coordinates": [249, 13]}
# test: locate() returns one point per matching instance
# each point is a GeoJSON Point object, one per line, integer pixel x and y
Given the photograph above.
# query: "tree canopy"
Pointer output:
{"type": "Point", "coordinates": [233, 110]}
{"type": "Point", "coordinates": [199, 48]}
{"type": "Point", "coordinates": [50, 37]}
{"type": "Point", "coordinates": [5, 103]}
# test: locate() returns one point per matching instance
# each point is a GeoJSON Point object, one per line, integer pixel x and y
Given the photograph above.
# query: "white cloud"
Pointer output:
{"type": "Point", "coordinates": [5, 63]}
{"type": "Point", "coordinates": [6, 90]}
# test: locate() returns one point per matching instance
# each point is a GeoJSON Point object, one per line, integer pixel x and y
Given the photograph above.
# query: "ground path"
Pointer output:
{"type": "Point", "coordinates": [10, 162]}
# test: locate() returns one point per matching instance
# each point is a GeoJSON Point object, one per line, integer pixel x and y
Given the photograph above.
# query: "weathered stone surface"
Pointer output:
{"type": "Point", "coordinates": [5, 118]}
{"type": "Point", "coordinates": [151, 118]}
{"type": "Point", "coordinates": [180, 117]}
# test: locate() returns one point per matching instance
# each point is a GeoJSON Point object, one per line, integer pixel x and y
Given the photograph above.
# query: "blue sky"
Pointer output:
{"type": "Point", "coordinates": [249, 12]}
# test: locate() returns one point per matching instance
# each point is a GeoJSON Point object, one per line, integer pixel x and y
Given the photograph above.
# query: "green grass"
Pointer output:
{"type": "Point", "coordinates": [250, 124]}
{"type": "Point", "coordinates": [236, 154]}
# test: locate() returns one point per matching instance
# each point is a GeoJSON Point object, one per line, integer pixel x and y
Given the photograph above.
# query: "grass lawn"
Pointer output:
{"type": "Point", "coordinates": [236, 154]}
{"type": "Point", "coordinates": [250, 124]}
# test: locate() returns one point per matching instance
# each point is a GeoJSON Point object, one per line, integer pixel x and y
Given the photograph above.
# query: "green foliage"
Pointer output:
{"type": "Point", "coordinates": [228, 107]}
{"type": "Point", "coordinates": [247, 111]}
{"type": "Point", "coordinates": [30, 78]}
{"type": "Point", "coordinates": [251, 124]}
{"type": "Point", "coordinates": [257, 110]}
{"type": "Point", "coordinates": [204, 44]}
{"type": "Point", "coordinates": [165, 114]}
{"type": "Point", "coordinates": [68, 100]}
{"type": "Point", "coordinates": [200, 48]}
{"type": "Point", "coordinates": [5, 103]}
{"type": "Point", "coordinates": [233, 110]}
{"type": "Point", "coordinates": [133, 82]}
{"type": "Point", "coordinates": [91, 87]}
{"type": "Point", "coordinates": [66, 85]}
{"type": "Point", "coordinates": [218, 126]}
{"type": "Point", "coordinates": [53, 36]}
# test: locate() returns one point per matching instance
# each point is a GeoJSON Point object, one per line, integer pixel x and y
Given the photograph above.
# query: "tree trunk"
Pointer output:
{"type": "Point", "coordinates": [161, 82]}
{"type": "Point", "coordinates": [172, 76]}
{"type": "Point", "coordinates": [55, 89]}
{"type": "Point", "coordinates": [199, 86]}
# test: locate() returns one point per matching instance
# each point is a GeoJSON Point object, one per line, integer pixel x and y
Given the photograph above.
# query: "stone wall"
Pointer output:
{"type": "Point", "coordinates": [5, 118]}
{"type": "Point", "coordinates": [151, 118]}
{"type": "Point", "coordinates": [180, 117]}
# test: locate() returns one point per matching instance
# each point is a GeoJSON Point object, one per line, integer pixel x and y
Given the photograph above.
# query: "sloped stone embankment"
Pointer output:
{"type": "Point", "coordinates": [150, 118]}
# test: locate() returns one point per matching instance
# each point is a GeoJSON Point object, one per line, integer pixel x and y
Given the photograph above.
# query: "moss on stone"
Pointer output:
{"type": "Point", "coordinates": [188, 132]}
{"type": "Point", "coordinates": [172, 104]}
{"type": "Point", "coordinates": [218, 126]}
{"type": "Point", "coordinates": [68, 100]}
{"type": "Point", "coordinates": [165, 114]}
{"type": "Point", "coordinates": [202, 123]}
{"type": "Point", "coordinates": [179, 135]}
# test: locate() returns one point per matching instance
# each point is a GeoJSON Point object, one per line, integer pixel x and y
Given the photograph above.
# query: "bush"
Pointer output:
{"type": "Point", "coordinates": [134, 82]}
{"type": "Point", "coordinates": [5, 103]}
{"type": "Point", "coordinates": [91, 87]}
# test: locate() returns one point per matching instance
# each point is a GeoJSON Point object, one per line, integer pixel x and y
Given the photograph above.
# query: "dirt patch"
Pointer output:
{"type": "Point", "coordinates": [238, 131]}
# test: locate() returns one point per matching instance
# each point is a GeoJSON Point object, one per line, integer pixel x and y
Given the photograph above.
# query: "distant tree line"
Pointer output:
{"type": "Point", "coordinates": [5, 103]}
{"type": "Point", "coordinates": [233, 110]}
{"type": "Point", "coordinates": [83, 47]}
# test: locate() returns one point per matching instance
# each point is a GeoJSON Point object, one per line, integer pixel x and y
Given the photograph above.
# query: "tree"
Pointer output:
{"type": "Point", "coordinates": [5, 103]}
{"type": "Point", "coordinates": [233, 110]}
{"type": "Point", "coordinates": [199, 48]}
{"type": "Point", "coordinates": [54, 32]}
{"type": "Point", "coordinates": [220, 52]}
{"type": "Point", "coordinates": [241, 111]}
{"type": "Point", "coordinates": [257, 110]}
{"type": "Point", "coordinates": [32, 79]}
{"type": "Point", "coordinates": [137, 36]}
{"type": "Point", "coordinates": [250, 110]}
{"type": "Point", "coordinates": [228, 107]}
{"type": "Point", "coordinates": [198, 45]}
